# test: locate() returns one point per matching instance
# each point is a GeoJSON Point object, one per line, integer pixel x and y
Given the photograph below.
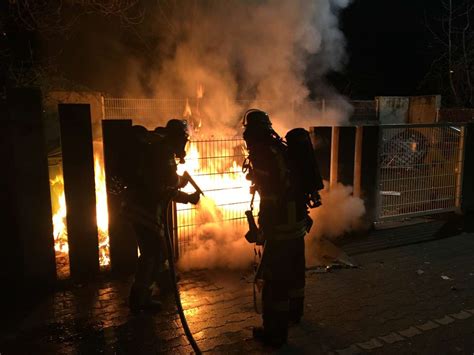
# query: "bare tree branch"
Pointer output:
{"type": "Point", "coordinates": [453, 37]}
{"type": "Point", "coordinates": [58, 16]}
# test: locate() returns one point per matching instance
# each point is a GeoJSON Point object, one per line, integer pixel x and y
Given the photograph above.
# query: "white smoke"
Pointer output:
{"type": "Point", "coordinates": [216, 244]}
{"type": "Point", "coordinates": [340, 213]}
{"type": "Point", "coordinates": [259, 51]}
{"type": "Point", "coordinates": [268, 53]}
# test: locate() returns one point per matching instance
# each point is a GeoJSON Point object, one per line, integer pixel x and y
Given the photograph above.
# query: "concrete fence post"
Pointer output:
{"type": "Point", "coordinates": [358, 161]}
{"type": "Point", "coordinates": [467, 198]}
{"type": "Point", "coordinates": [79, 189]}
{"type": "Point", "coordinates": [31, 201]}
{"type": "Point", "coordinates": [369, 180]}
{"type": "Point", "coordinates": [346, 154]}
{"type": "Point", "coordinates": [117, 156]}
{"type": "Point", "coordinates": [334, 165]}
{"type": "Point", "coordinates": [321, 138]}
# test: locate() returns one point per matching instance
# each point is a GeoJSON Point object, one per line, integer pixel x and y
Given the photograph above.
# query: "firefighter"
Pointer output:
{"type": "Point", "coordinates": [283, 222]}
{"type": "Point", "coordinates": [155, 184]}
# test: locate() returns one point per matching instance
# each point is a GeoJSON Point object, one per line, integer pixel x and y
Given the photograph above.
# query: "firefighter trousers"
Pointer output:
{"type": "Point", "coordinates": [151, 265]}
{"type": "Point", "coordinates": [283, 290]}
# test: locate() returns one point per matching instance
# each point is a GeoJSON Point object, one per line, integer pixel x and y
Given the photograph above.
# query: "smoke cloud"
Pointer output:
{"type": "Point", "coordinates": [340, 213]}
{"type": "Point", "coordinates": [268, 54]}
{"type": "Point", "coordinates": [271, 55]}
{"type": "Point", "coordinates": [217, 246]}
{"type": "Point", "coordinates": [251, 54]}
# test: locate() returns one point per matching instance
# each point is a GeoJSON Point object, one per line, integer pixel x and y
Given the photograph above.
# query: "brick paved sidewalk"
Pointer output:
{"type": "Point", "coordinates": [396, 302]}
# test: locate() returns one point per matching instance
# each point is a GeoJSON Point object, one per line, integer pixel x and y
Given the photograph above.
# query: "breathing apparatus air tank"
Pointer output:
{"type": "Point", "coordinates": [304, 166]}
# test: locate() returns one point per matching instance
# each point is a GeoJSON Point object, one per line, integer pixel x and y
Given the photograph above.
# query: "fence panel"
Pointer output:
{"type": "Point", "coordinates": [146, 110]}
{"type": "Point", "coordinates": [420, 169]}
{"type": "Point", "coordinates": [216, 166]}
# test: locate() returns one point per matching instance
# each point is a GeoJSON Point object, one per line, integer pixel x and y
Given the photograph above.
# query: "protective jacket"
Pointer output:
{"type": "Point", "coordinates": [155, 183]}
{"type": "Point", "coordinates": [156, 180]}
{"type": "Point", "coordinates": [283, 221]}
{"type": "Point", "coordinates": [283, 214]}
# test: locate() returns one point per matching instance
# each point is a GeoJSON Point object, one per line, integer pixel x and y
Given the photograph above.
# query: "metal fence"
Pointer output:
{"type": "Point", "coordinates": [159, 110]}
{"type": "Point", "coordinates": [143, 110]}
{"type": "Point", "coordinates": [420, 169]}
{"type": "Point", "coordinates": [216, 166]}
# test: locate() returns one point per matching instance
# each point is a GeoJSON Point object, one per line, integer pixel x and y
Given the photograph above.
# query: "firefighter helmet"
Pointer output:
{"type": "Point", "coordinates": [257, 119]}
{"type": "Point", "coordinates": [177, 133]}
{"type": "Point", "coordinates": [177, 128]}
{"type": "Point", "coordinates": [258, 127]}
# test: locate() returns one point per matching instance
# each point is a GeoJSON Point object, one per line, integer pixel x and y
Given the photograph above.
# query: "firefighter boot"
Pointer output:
{"type": "Point", "coordinates": [296, 306]}
{"type": "Point", "coordinates": [142, 288]}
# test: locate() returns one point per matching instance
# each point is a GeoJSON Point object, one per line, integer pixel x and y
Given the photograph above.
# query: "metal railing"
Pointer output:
{"type": "Point", "coordinates": [216, 166]}
{"type": "Point", "coordinates": [146, 109]}
{"type": "Point", "coordinates": [160, 110]}
{"type": "Point", "coordinates": [420, 169]}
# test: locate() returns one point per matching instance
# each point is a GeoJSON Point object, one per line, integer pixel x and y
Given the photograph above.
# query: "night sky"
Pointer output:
{"type": "Point", "coordinates": [387, 47]}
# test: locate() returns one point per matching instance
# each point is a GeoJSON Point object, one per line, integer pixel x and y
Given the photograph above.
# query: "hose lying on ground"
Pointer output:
{"type": "Point", "coordinates": [177, 297]}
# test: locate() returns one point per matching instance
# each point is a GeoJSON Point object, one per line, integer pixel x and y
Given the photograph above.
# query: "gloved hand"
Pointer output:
{"type": "Point", "coordinates": [194, 197]}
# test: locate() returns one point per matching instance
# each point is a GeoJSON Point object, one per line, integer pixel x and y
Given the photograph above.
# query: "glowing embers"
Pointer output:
{"type": "Point", "coordinates": [59, 212]}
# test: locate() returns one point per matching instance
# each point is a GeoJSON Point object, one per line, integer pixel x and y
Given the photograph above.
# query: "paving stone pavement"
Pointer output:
{"type": "Point", "coordinates": [386, 306]}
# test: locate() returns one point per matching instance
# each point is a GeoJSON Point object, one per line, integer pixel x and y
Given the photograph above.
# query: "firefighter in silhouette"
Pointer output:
{"type": "Point", "coordinates": [154, 184]}
{"type": "Point", "coordinates": [283, 222]}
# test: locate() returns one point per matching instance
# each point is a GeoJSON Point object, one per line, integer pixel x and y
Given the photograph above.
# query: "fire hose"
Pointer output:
{"type": "Point", "coordinates": [177, 297]}
{"type": "Point", "coordinates": [169, 247]}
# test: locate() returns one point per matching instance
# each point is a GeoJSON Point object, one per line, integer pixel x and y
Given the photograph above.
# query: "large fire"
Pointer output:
{"type": "Point", "coordinates": [216, 166]}
{"type": "Point", "coordinates": [101, 210]}
{"type": "Point", "coordinates": [60, 216]}
{"type": "Point", "coordinates": [58, 204]}
{"type": "Point", "coordinates": [222, 181]}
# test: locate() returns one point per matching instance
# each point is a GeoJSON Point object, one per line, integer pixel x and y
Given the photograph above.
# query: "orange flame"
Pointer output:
{"type": "Point", "coordinates": [101, 211]}
{"type": "Point", "coordinates": [58, 207]}
{"type": "Point", "coordinates": [187, 110]}
{"type": "Point", "coordinates": [59, 215]}
{"type": "Point", "coordinates": [58, 203]}
{"type": "Point", "coordinates": [223, 182]}
{"type": "Point", "coordinates": [200, 91]}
